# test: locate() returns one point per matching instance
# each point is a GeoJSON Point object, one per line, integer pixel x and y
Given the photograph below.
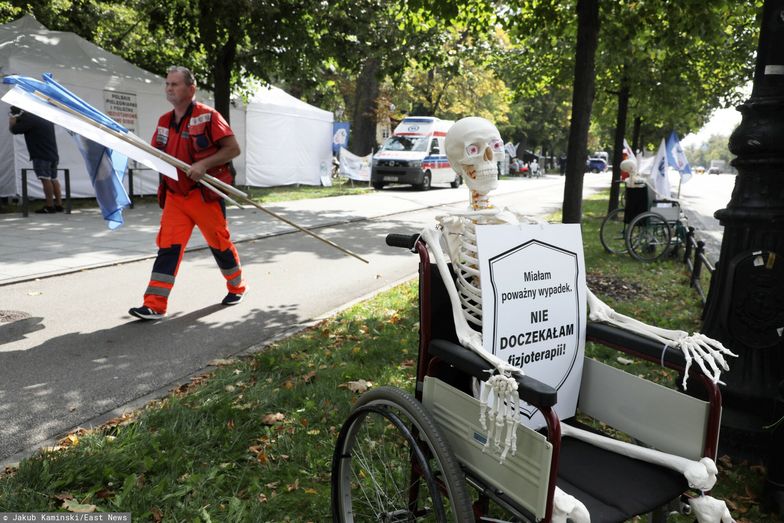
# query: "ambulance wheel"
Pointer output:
{"type": "Point", "coordinates": [458, 181]}
{"type": "Point", "coordinates": [378, 186]}
{"type": "Point", "coordinates": [425, 185]}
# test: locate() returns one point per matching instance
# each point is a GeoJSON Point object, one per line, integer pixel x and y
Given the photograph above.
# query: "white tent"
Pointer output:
{"type": "Point", "coordinates": [288, 140]}
{"type": "Point", "coordinates": [132, 96]}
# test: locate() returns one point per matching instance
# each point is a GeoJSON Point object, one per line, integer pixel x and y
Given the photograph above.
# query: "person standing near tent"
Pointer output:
{"type": "Point", "coordinates": [42, 149]}
{"type": "Point", "coordinates": [198, 135]}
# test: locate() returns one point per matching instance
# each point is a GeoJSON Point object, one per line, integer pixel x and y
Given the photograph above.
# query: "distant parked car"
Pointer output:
{"type": "Point", "coordinates": [596, 164]}
{"type": "Point", "coordinates": [714, 170]}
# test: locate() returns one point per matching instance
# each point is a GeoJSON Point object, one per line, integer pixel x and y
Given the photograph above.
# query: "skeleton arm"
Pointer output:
{"type": "Point", "coordinates": [707, 352]}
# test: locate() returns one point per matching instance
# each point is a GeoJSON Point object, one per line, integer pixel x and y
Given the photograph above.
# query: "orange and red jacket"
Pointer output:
{"type": "Point", "coordinates": [193, 139]}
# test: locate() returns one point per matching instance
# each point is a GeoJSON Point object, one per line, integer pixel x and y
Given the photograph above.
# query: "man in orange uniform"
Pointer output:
{"type": "Point", "coordinates": [199, 136]}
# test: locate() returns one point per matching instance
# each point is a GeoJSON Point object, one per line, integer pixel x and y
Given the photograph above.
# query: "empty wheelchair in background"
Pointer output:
{"type": "Point", "coordinates": [402, 457]}
{"type": "Point", "coordinates": [646, 228]}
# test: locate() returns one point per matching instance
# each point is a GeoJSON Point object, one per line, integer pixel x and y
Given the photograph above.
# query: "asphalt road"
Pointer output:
{"type": "Point", "coordinates": [79, 359]}
{"type": "Point", "coordinates": [702, 196]}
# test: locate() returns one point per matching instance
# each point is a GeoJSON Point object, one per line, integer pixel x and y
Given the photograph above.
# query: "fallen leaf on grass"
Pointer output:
{"type": "Point", "coordinates": [157, 515]}
{"type": "Point", "coordinates": [309, 376]}
{"type": "Point", "coordinates": [293, 486]}
{"type": "Point", "coordinates": [262, 498]}
{"type": "Point", "coordinates": [230, 424]}
{"type": "Point", "coordinates": [71, 505]}
{"type": "Point", "coordinates": [121, 421]}
{"type": "Point", "coordinates": [359, 386]}
{"type": "Point", "coordinates": [271, 419]}
{"type": "Point", "coordinates": [407, 364]}
{"type": "Point", "coordinates": [624, 361]}
{"type": "Point", "coordinates": [288, 384]}
{"type": "Point", "coordinates": [311, 491]}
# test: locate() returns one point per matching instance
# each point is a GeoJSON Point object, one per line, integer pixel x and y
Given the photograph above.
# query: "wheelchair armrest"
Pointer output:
{"type": "Point", "coordinates": [634, 344]}
{"type": "Point", "coordinates": [529, 389]}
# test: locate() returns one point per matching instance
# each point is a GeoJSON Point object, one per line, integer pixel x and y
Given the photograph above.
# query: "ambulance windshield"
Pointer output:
{"type": "Point", "coordinates": [405, 143]}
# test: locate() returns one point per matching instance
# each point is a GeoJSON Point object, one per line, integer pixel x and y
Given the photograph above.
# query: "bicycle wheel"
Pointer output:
{"type": "Point", "coordinates": [613, 232]}
{"type": "Point", "coordinates": [392, 463]}
{"type": "Point", "coordinates": [648, 237]}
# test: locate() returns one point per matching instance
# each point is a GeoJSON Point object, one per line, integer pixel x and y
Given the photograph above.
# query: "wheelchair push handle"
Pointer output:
{"type": "Point", "coordinates": [404, 241]}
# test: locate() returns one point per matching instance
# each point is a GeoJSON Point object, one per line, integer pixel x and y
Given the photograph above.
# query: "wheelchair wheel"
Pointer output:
{"type": "Point", "coordinates": [648, 237]}
{"type": "Point", "coordinates": [392, 463]}
{"type": "Point", "coordinates": [613, 232]}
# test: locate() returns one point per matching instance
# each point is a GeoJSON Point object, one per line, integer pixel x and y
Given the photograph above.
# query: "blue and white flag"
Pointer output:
{"type": "Point", "coordinates": [106, 169]}
{"type": "Point", "coordinates": [677, 158]}
{"type": "Point", "coordinates": [659, 172]}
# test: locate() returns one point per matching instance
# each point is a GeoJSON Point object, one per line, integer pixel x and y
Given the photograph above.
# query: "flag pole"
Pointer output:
{"type": "Point", "coordinates": [208, 181]}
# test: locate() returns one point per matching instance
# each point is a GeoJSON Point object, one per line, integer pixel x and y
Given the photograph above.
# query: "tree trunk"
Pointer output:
{"type": "Point", "coordinates": [636, 138]}
{"type": "Point", "coordinates": [582, 102]}
{"type": "Point", "coordinates": [221, 75]}
{"type": "Point", "coordinates": [620, 131]}
{"type": "Point", "coordinates": [363, 119]}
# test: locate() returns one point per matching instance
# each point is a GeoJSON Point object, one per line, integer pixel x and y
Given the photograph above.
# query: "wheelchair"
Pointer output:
{"type": "Point", "coordinates": [402, 457]}
{"type": "Point", "coordinates": [645, 227]}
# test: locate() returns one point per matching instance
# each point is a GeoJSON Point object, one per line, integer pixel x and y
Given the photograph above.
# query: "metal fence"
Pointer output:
{"type": "Point", "coordinates": [694, 257]}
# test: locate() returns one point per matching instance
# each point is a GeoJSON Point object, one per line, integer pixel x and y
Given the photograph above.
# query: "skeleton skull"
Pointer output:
{"type": "Point", "coordinates": [474, 148]}
{"type": "Point", "coordinates": [629, 165]}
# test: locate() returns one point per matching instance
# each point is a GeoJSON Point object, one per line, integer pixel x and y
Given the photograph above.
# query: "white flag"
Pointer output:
{"type": "Point", "coordinates": [659, 172]}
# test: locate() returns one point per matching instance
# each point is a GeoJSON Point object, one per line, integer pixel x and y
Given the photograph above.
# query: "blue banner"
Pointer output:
{"type": "Point", "coordinates": [339, 136]}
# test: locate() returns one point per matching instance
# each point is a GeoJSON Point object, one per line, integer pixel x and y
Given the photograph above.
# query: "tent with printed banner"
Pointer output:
{"type": "Point", "coordinates": [130, 95]}
{"type": "Point", "coordinates": [288, 141]}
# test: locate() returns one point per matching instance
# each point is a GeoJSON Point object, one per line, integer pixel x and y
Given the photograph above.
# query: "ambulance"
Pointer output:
{"type": "Point", "coordinates": [414, 155]}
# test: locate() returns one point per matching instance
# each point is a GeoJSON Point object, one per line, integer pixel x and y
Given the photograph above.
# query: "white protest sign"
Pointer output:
{"type": "Point", "coordinates": [353, 166]}
{"type": "Point", "coordinates": [533, 305]}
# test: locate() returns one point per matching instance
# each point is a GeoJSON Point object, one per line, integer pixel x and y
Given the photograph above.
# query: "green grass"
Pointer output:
{"type": "Point", "coordinates": [252, 441]}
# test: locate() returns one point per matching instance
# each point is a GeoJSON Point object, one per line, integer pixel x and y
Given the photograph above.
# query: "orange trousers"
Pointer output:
{"type": "Point", "coordinates": [180, 215]}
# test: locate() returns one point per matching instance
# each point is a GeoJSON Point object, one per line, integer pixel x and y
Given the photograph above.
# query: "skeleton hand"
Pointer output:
{"type": "Point", "coordinates": [704, 350]}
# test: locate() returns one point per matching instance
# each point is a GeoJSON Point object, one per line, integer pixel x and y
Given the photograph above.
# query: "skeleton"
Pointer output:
{"type": "Point", "coordinates": [474, 146]}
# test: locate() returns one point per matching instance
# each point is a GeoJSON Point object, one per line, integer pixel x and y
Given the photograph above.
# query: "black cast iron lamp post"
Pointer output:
{"type": "Point", "coordinates": [745, 306]}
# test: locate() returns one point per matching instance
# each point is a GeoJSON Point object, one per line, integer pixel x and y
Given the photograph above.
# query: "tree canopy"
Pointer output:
{"type": "Point", "coordinates": [659, 65]}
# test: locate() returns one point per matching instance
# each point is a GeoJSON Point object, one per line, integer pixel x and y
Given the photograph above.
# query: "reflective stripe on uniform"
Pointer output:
{"type": "Point", "coordinates": [158, 291]}
{"type": "Point", "coordinates": [161, 277]}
